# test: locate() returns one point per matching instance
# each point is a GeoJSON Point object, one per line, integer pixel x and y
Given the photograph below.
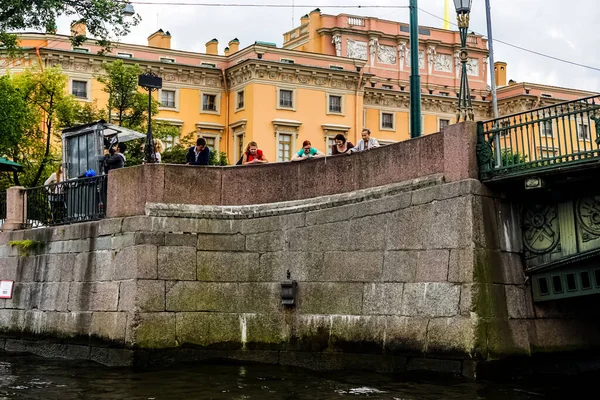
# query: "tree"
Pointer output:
{"type": "Point", "coordinates": [104, 19]}
{"type": "Point", "coordinates": [121, 83]}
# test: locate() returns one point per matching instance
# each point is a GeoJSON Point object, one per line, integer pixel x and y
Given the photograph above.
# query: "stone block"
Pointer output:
{"type": "Point", "coordinates": [368, 233]}
{"type": "Point", "coordinates": [448, 224]}
{"type": "Point", "coordinates": [260, 225]}
{"type": "Point", "coordinates": [202, 296]}
{"type": "Point", "coordinates": [486, 230]}
{"type": "Point", "coordinates": [136, 262]}
{"type": "Point", "coordinates": [334, 214]}
{"type": "Point", "coordinates": [181, 239]}
{"type": "Point", "coordinates": [94, 296]}
{"type": "Point", "coordinates": [155, 238]}
{"type": "Point", "coordinates": [27, 268]}
{"type": "Point", "coordinates": [509, 226]}
{"type": "Point", "coordinates": [400, 266]}
{"type": "Point", "coordinates": [47, 268]}
{"type": "Point", "coordinates": [382, 298]}
{"type": "Point", "coordinates": [9, 268]}
{"type": "Point", "coordinates": [101, 243]}
{"type": "Point", "coordinates": [109, 226]}
{"type": "Point", "coordinates": [461, 265]}
{"type": "Point", "coordinates": [330, 298]}
{"type": "Point", "coordinates": [357, 333]}
{"type": "Point", "coordinates": [265, 242]}
{"type": "Point", "coordinates": [303, 266]}
{"type": "Point", "coordinates": [221, 242]}
{"type": "Point", "coordinates": [519, 301]}
{"type": "Point", "coordinates": [489, 300]}
{"type": "Point", "coordinates": [127, 295]}
{"type": "Point", "coordinates": [53, 296]}
{"type": "Point", "coordinates": [432, 266]}
{"type": "Point", "coordinates": [112, 357]}
{"type": "Point", "coordinates": [265, 331]}
{"type": "Point", "coordinates": [352, 266]}
{"type": "Point", "coordinates": [406, 334]}
{"type": "Point", "coordinates": [506, 338]}
{"type": "Point", "coordinates": [386, 204]}
{"type": "Point", "coordinates": [216, 226]}
{"type": "Point", "coordinates": [434, 365]}
{"type": "Point", "coordinates": [213, 330]}
{"type": "Point", "coordinates": [431, 299]}
{"type": "Point", "coordinates": [22, 296]}
{"type": "Point", "coordinates": [454, 335]}
{"type": "Point", "coordinates": [150, 295]}
{"type": "Point", "coordinates": [153, 331]}
{"type": "Point", "coordinates": [12, 321]}
{"type": "Point", "coordinates": [320, 237]}
{"type": "Point", "coordinates": [137, 223]}
{"type": "Point", "coordinates": [293, 221]}
{"type": "Point", "coordinates": [177, 263]}
{"type": "Point", "coordinates": [403, 228]}
{"type": "Point", "coordinates": [66, 325]}
{"type": "Point", "coordinates": [123, 240]}
{"type": "Point", "coordinates": [259, 297]}
{"type": "Point", "coordinates": [235, 267]}
{"type": "Point", "coordinates": [109, 326]}
{"type": "Point", "coordinates": [94, 266]}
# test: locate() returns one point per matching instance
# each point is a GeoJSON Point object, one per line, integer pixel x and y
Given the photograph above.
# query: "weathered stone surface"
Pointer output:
{"type": "Point", "coordinates": [259, 225]}
{"type": "Point", "coordinates": [181, 239]}
{"type": "Point", "coordinates": [68, 324]}
{"type": "Point", "coordinates": [153, 331]}
{"type": "Point", "coordinates": [357, 333]}
{"type": "Point", "coordinates": [259, 297]}
{"type": "Point", "coordinates": [136, 262]}
{"type": "Point", "coordinates": [127, 295]}
{"type": "Point", "coordinates": [177, 263]}
{"type": "Point", "coordinates": [335, 214]}
{"type": "Point", "coordinates": [319, 237]}
{"type": "Point", "coordinates": [387, 204]}
{"type": "Point", "coordinates": [509, 226]}
{"type": "Point", "coordinates": [431, 299]}
{"type": "Point", "coordinates": [100, 243]}
{"type": "Point", "coordinates": [330, 298]}
{"type": "Point", "coordinates": [489, 300]}
{"type": "Point", "coordinates": [265, 331]}
{"type": "Point", "coordinates": [94, 266]}
{"type": "Point", "coordinates": [22, 296]}
{"type": "Point", "coordinates": [435, 365]}
{"type": "Point", "coordinates": [109, 226]}
{"type": "Point", "coordinates": [461, 265]}
{"type": "Point", "coordinates": [53, 296]}
{"type": "Point", "coordinates": [368, 233]}
{"type": "Point", "coordinates": [353, 266]}
{"type": "Point", "coordinates": [150, 295]}
{"type": "Point", "coordinates": [406, 334]}
{"type": "Point", "coordinates": [451, 335]}
{"type": "Point", "coordinates": [234, 267]}
{"type": "Point", "coordinates": [303, 266]}
{"type": "Point", "coordinates": [516, 337]}
{"type": "Point", "coordinates": [12, 320]}
{"type": "Point", "coordinates": [112, 357]}
{"type": "Point", "coordinates": [382, 298]}
{"type": "Point", "coordinates": [400, 266]}
{"type": "Point", "coordinates": [265, 242]}
{"type": "Point", "coordinates": [311, 333]}
{"type": "Point", "coordinates": [432, 266]}
{"type": "Point", "coordinates": [519, 301]}
{"type": "Point", "coordinates": [202, 296]}
{"type": "Point", "coordinates": [136, 223]}
{"type": "Point", "coordinates": [155, 238]}
{"type": "Point", "coordinates": [94, 296]}
{"type": "Point", "coordinates": [214, 330]}
{"type": "Point", "coordinates": [221, 242]}
{"type": "Point", "coordinates": [109, 326]}
{"type": "Point", "coordinates": [9, 268]}
{"type": "Point", "coordinates": [123, 240]}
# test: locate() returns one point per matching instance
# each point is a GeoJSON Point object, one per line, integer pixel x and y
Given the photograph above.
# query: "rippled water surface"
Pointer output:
{"type": "Point", "coordinates": [30, 377]}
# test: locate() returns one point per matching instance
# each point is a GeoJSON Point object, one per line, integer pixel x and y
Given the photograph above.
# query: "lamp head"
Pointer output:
{"type": "Point", "coordinates": [463, 6]}
{"type": "Point", "coordinates": [128, 10]}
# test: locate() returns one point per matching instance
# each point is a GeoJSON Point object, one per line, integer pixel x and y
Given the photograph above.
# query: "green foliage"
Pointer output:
{"type": "Point", "coordinates": [104, 19]}
{"type": "Point", "coordinates": [25, 246]}
{"type": "Point", "coordinates": [512, 158]}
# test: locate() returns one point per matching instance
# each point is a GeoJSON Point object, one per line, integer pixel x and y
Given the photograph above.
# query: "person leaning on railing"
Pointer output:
{"type": "Point", "coordinates": [56, 197]}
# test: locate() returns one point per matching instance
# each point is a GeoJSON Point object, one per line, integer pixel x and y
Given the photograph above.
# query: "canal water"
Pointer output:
{"type": "Point", "coordinates": [30, 377]}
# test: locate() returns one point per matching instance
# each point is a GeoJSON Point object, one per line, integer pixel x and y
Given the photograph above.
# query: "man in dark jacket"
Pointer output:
{"type": "Point", "coordinates": [198, 154]}
{"type": "Point", "coordinates": [116, 159]}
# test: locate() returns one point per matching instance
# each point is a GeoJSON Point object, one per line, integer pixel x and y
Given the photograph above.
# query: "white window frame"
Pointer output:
{"type": "Point", "coordinates": [383, 142]}
{"type": "Point", "coordinates": [342, 111]}
{"type": "Point", "coordinates": [287, 61]}
{"type": "Point", "coordinates": [543, 127]}
{"type": "Point", "coordinates": [439, 122]}
{"type": "Point", "coordinates": [278, 100]}
{"type": "Point", "coordinates": [171, 89]}
{"type": "Point", "coordinates": [216, 137]}
{"type": "Point", "coordinates": [364, 125]}
{"type": "Point", "coordinates": [387, 87]}
{"type": "Point", "coordinates": [88, 88]}
{"type": "Point", "coordinates": [381, 127]}
{"type": "Point", "coordinates": [292, 144]}
{"type": "Point", "coordinates": [208, 65]}
{"type": "Point", "coordinates": [167, 60]}
{"type": "Point", "coordinates": [238, 138]}
{"type": "Point", "coordinates": [81, 49]}
{"type": "Point", "coordinates": [237, 100]}
{"type": "Point", "coordinates": [217, 95]}
{"type": "Point", "coordinates": [336, 67]}
{"type": "Point", "coordinates": [578, 124]}
{"type": "Point", "coordinates": [124, 55]}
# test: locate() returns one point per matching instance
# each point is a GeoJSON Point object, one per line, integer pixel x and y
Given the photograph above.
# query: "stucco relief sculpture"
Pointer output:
{"type": "Point", "coordinates": [430, 56]}
{"type": "Point", "coordinates": [473, 67]}
{"type": "Point", "coordinates": [386, 54]}
{"type": "Point", "coordinates": [442, 62]}
{"type": "Point", "coordinates": [373, 45]}
{"type": "Point", "coordinates": [356, 49]}
{"type": "Point", "coordinates": [402, 54]}
{"type": "Point", "coordinates": [421, 58]}
{"type": "Point", "coordinates": [337, 42]}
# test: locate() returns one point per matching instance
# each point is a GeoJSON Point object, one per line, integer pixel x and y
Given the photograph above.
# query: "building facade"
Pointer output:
{"type": "Point", "coordinates": [334, 74]}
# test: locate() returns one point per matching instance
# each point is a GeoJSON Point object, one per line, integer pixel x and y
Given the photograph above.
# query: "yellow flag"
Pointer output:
{"type": "Point", "coordinates": [446, 14]}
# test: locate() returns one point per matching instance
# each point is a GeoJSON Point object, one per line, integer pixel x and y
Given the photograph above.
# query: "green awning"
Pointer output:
{"type": "Point", "coordinates": [7, 165]}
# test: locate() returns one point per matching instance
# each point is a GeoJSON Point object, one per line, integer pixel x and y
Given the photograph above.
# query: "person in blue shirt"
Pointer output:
{"type": "Point", "coordinates": [307, 152]}
{"type": "Point", "coordinates": [198, 154]}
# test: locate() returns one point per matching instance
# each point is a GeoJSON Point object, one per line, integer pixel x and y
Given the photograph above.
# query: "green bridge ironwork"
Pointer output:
{"type": "Point", "coordinates": [539, 140]}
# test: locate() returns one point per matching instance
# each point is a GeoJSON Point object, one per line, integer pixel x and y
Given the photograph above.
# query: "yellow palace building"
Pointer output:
{"type": "Point", "coordinates": [333, 74]}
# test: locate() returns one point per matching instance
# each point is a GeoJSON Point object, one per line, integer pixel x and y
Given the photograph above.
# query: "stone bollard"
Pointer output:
{"type": "Point", "coordinates": [460, 152]}
{"type": "Point", "coordinates": [16, 211]}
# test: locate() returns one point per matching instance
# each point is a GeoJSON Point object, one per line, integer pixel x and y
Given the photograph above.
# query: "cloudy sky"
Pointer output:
{"type": "Point", "coordinates": [545, 26]}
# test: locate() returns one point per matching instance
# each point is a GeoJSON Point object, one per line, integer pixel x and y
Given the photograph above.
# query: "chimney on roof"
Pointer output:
{"type": "Point", "coordinates": [234, 46]}
{"type": "Point", "coordinates": [226, 51]}
{"type": "Point", "coordinates": [500, 73]}
{"type": "Point", "coordinates": [304, 19]}
{"type": "Point", "coordinates": [78, 28]}
{"type": "Point", "coordinates": [160, 39]}
{"type": "Point", "coordinates": [212, 47]}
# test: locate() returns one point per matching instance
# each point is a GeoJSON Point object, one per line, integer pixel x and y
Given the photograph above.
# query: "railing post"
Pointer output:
{"type": "Point", "coordinates": [16, 208]}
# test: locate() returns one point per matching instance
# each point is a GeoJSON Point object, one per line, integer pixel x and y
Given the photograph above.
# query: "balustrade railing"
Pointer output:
{"type": "Point", "coordinates": [67, 202]}
{"type": "Point", "coordinates": [559, 135]}
{"type": "Point", "coordinates": [356, 21]}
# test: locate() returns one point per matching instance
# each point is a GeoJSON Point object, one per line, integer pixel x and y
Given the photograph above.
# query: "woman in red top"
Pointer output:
{"type": "Point", "coordinates": [253, 155]}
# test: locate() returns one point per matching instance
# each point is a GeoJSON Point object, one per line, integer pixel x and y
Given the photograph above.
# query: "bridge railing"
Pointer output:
{"type": "Point", "coordinates": [563, 134]}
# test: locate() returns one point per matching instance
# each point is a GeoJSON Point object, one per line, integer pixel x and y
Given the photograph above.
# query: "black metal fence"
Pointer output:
{"type": "Point", "coordinates": [562, 134]}
{"type": "Point", "coordinates": [2, 206]}
{"type": "Point", "coordinates": [67, 202]}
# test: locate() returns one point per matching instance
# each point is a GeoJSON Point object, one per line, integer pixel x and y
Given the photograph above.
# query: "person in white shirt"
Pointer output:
{"type": "Point", "coordinates": [367, 143]}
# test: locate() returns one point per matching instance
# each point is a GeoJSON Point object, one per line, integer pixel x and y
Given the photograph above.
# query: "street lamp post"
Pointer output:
{"type": "Point", "coordinates": [465, 107]}
{"type": "Point", "coordinates": [415, 78]}
{"type": "Point", "coordinates": [151, 82]}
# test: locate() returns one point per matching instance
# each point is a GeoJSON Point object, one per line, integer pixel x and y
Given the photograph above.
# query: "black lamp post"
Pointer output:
{"type": "Point", "coordinates": [151, 82]}
{"type": "Point", "coordinates": [465, 107]}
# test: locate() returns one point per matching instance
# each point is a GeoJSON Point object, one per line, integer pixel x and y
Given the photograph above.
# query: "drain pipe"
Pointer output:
{"type": "Point", "coordinates": [356, 110]}
{"type": "Point", "coordinates": [226, 129]}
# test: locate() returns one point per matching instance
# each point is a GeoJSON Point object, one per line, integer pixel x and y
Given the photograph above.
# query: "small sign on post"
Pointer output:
{"type": "Point", "coordinates": [6, 289]}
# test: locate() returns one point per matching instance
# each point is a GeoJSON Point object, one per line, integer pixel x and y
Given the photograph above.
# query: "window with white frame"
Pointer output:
{"type": "Point", "coordinates": [546, 128]}
{"type": "Point", "coordinates": [167, 98]}
{"type": "Point", "coordinates": [209, 102]}
{"type": "Point", "coordinates": [443, 123]}
{"type": "Point", "coordinates": [284, 147]}
{"type": "Point", "coordinates": [388, 87]}
{"type": "Point", "coordinates": [286, 98]}
{"type": "Point", "coordinates": [210, 141]}
{"type": "Point", "coordinates": [239, 145]}
{"type": "Point", "coordinates": [79, 89]}
{"type": "Point", "coordinates": [583, 131]}
{"type": "Point", "coordinates": [547, 152]}
{"type": "Point", "coordinates": [170, 141]}
{"type": "Point", "coordinates": [208, 65]}
{"type": "Point", "coordinates": [387, 120]}
{"type": "Point", "coordinates": [167, 60]}
{"type": "Point", "coordinates": [125, 55]}
{"type": "Point", "coordinates": [335, 104]}
{"type": "Point", "coordinates": [287, 61]}
{"type": "Point", "coordinates": [81, 49]}
{"type": "Point", "coordinates": [240, 100]}
{"type": "Point", "coordinates": [329, 143]}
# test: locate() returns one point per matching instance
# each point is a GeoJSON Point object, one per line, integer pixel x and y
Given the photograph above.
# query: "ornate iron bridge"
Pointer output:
{"type": "Point", "coordinates": [564, 135]}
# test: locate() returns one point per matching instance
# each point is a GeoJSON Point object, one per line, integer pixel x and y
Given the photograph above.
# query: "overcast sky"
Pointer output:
{"type": "Point", "coordinates": [546, 26]}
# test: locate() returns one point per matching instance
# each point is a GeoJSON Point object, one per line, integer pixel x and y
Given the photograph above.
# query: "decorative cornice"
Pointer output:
{"type": "Point", "coordinates": [210, 125]}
